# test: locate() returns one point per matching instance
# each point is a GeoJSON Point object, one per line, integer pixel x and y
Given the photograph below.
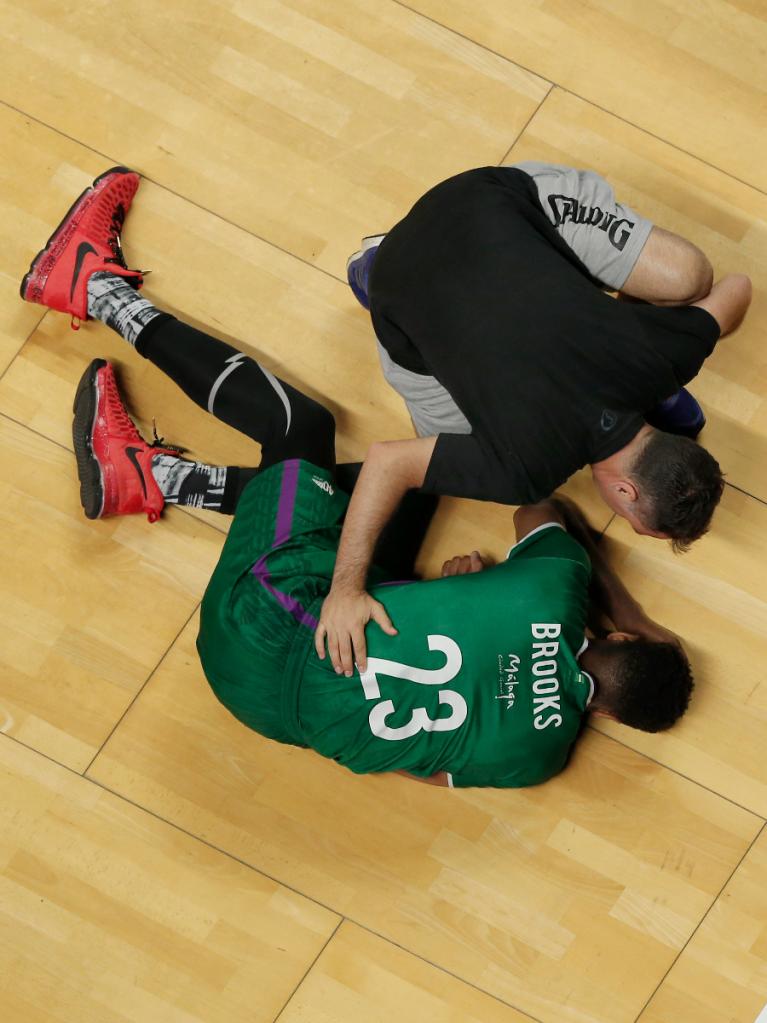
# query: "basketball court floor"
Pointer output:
{"type": "Point", "coordinates": [158, 862]}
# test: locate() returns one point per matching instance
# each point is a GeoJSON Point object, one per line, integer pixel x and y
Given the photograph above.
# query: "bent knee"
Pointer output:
{"type": "Point", "coordinates": [670, 271]}
{"type": "Point", "coordinates": [696, 276]}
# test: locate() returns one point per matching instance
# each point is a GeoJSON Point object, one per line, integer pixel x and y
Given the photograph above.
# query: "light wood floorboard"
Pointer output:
{"type": "Point", "coordinates": [310, 124]}
{"type": "Point", "coordinates": [109, 914]}
{"type": "Point", "coordinates": [690, 73]}
{"type": "Point", "coordinates": [715, 598]}
{"type": "Point", "coordinates": [721, 976]}
{"type": "Point", "coordinates": [576, 893]}
{"type": "Point", "coordinates": [359, 976]}
{"type": "Point", "coordinates": [87, 613]}
{"type": "Point", "coordinates": [273, 134]}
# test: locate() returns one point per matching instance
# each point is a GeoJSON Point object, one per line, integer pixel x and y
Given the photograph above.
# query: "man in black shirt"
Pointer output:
{"type": "Point", "coordinates": [535, 369]}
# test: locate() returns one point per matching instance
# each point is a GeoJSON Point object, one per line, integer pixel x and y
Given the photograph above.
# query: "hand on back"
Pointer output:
{"type": "Point", "coordinates": [342, 624]}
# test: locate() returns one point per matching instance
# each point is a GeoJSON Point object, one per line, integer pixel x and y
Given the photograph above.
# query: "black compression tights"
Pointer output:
{"type": "Point", "coordinates": [284, 421]}
{"type": "Point", "coordinates": [239, 392]}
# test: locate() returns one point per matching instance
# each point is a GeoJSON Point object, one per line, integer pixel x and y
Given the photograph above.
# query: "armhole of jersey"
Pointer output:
{"type": "Point", "coordinates": [592, 687]}
{"type": "Point", "coordinates": [538, 529]}
{"type": "Point", "coordinates": [449, 780]}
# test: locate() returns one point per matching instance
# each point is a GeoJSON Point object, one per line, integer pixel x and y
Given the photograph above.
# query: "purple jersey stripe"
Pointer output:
{"type": "Point", "coordinates": [287, 502]}
{"type": "Point", "coordinates": [291, 605]}
{"type": "Point", "coordinates": [283, 526]}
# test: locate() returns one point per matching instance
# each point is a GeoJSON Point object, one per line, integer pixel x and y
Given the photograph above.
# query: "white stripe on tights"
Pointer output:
{"type": "Point", "coordinates": [233, 362]}
{"type": "Point", "coordinates": [280, 392]}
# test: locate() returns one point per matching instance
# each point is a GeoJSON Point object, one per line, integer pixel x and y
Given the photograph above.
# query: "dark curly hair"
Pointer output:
{"type": "Point", "coordinates": [679, 486]}
{"type": "Point", "coordinates": [643, 684]}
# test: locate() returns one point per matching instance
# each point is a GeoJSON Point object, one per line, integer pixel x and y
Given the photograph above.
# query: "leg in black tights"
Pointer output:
{"type": "Point", "coordinates": [241, 393]}
{"type": "Point", "coordinates": [287, 424]}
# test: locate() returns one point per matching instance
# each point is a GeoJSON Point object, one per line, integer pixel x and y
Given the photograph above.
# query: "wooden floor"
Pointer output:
{"type": "Point", "coordinates": [158, 862]}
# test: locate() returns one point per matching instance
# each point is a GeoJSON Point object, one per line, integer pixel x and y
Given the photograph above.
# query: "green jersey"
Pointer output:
{"type": "Point", "coordinates": [482, 680]}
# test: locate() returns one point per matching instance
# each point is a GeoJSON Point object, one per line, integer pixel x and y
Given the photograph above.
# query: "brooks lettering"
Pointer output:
{"type": "Point", "coordinates": [546, 696]}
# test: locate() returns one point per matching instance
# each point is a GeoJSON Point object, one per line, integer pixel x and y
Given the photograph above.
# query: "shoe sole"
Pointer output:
{"type": "Point", "coordinates": [371, 241]}
{"type": "Point", "coordinates": [85, 408]}
{"type": "Point", "coordinates": [70, 217]}
{"type": "Point", "coordinates": [368, 242]}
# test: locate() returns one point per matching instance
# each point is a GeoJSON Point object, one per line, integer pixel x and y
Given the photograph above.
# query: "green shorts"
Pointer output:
{"type": "Point", "coordinates": [259, 611]}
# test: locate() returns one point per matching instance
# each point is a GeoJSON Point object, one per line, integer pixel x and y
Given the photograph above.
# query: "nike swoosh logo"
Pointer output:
{"type": "Point", "coordinates": [82, 251]}
{"type": "Point", "coordinates": [131, 453]}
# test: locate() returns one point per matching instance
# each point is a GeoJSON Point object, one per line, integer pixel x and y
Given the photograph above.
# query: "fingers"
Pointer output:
{"type": "Point", "coordinates": [463, 564]}
{"type": "Point", "coordinates": [454, 565]}
{"type": "Point", "coordinates": [360, 649]}
{"type": "Point", "coordinates": [319, 640]}
{"type": "Point", "coordinates": [342, 630]}
{"type": "Point", "coordinates": [334, 649]}
{"type": "Point", "coordinates": [379, 615]}
{"type": "Point", "coordinates": [345, 658]}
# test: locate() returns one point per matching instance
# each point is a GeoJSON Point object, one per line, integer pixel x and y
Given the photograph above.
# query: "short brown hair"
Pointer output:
{"type": "Point", "coordinates": [679, 486]}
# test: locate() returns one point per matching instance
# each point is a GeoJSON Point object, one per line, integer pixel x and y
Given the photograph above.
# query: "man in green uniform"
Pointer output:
{"type": "Point", "coordinates": [486, 673]}
{"type": "Point", "coordinates": [478, 678]}
{"type": "Point", "coordinates": [488, 676]}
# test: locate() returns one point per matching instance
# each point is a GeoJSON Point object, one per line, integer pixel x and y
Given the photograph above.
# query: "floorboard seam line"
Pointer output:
{"type": "Point", "coordinates": [171, 824]}
{"type": "Point", "coordinates": [525, 126]}
{"type": "Point", "coordinates": [141, 689]}
{"type": "Point", "coordinates": [583, 99]}
{"type": "Point", "coordinates": [444, 969]}
{"type": "Point", "coordinates": [746, 493]}
{"type": "Point", "coordinates": [178, 195]}
{"type": "Point", "coordinates": [679, 774]}
{"type": "Point", "coordinates": [183, 509]}
{"type": "Point", "coordinates": [318, 902]}
{"type": "Point", "coordinates": [283, 884]}
{"type": "Point", "coordinates": [700, 922]}
{"type": "Point", "coordinates": [23, 343]}
{"type": "Point", "coordinates": [309, 969]}
{"type": "Point", "coordinates": [37, 433]}
{"type": "Point", "coordinates": [659, 138]}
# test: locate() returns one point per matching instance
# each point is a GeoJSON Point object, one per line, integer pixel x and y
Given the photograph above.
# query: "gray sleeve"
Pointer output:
{"type": "Point", "coordinates": [607, 236]}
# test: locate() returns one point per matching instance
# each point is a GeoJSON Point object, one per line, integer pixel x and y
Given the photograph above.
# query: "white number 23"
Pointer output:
{"type": "Point", "coordinates": [419, 720]}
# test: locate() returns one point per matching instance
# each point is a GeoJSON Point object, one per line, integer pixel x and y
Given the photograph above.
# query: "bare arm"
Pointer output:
{"type": "Point", "coordinates": [391, 468]}
{"type": "Point", "coordinates": [608, 593]}
{"type": "Point", "coordinates": [728, 301]}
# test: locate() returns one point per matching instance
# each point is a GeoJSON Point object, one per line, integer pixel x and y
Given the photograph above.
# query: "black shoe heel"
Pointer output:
{"type": "Point", "coordinates": [88, 469]}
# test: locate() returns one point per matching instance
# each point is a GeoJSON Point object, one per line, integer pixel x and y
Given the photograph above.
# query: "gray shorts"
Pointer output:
{"type": "Point", "coordinates": [430, 406]}
{"type": "Point", "coordinates": [607, 237]}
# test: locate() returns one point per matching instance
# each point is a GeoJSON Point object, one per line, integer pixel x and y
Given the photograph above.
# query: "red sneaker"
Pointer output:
{"type": "Point", "coordinates": [86, 240]}
{"type": "Point", "coordinates": [114, 462]}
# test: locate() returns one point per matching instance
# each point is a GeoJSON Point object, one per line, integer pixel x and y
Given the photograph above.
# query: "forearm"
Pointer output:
{"type": "Point", "coordinates": [728, 301]}
{"type": "Point", "coordinates": [385, 477]}
{"type": "Point", "coordinates": [607, 591]}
